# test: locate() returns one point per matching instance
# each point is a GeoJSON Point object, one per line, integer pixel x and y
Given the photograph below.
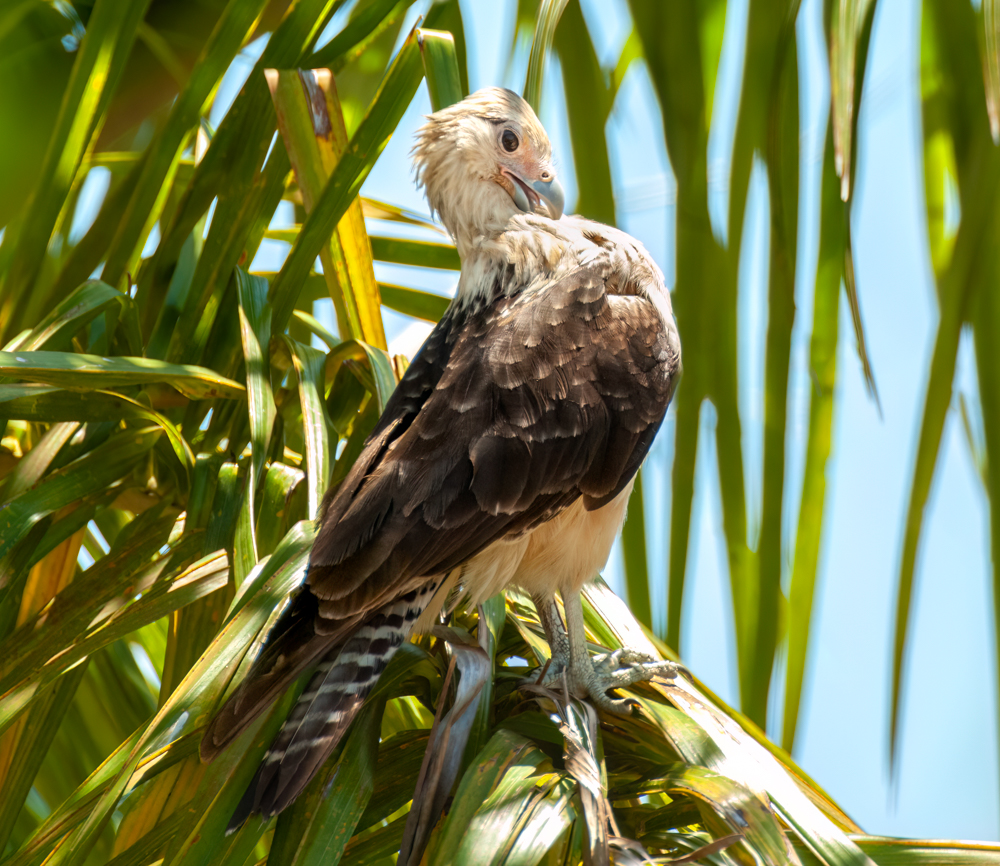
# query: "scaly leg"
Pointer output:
{"type": "Point", "coordinates": [555, 634]}
{"type": "Point", "coordinates": [614, 670]}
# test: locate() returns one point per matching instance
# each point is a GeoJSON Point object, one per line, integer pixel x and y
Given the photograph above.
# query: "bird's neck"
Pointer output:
{"type": "Point", "coordinates": [500, 261]}
{"type": "Point", "coordinates": [471, 210]}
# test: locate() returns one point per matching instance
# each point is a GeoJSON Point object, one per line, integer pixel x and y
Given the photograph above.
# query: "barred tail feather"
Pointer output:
{"type": "Point", "coordinates": [324, 711]}
{"type": "Point", "coordinates": [292, 646]}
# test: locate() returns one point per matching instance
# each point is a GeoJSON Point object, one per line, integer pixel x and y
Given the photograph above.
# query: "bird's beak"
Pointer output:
{"type": "Point", "coordinates": [527, 194]}
{"type": "Point", "coordinates": [553, 194]}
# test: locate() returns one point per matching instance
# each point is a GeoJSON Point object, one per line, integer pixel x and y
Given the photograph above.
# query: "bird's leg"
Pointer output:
{"type": "Point", "coordinates": [555, 634]}
{"type": "Point", "coordinates": [592, 677]}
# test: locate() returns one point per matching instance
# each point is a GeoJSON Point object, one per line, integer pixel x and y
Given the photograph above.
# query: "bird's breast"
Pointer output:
{"type": "Point", "coordinates": [561, 554]}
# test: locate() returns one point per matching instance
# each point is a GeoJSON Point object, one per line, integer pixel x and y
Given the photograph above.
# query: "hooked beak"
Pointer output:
{"type": "Point", "coordinates": [528, 194]}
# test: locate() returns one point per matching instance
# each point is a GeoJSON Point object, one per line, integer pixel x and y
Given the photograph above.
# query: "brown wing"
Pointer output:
{"type": "Point", "coordinates": [520, 409]}
{"type": "Point", "coordinates": [507, 415]}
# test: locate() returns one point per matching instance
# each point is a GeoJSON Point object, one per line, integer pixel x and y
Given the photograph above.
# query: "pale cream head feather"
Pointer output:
{"type": "Point", "coordinates": [483, 161]}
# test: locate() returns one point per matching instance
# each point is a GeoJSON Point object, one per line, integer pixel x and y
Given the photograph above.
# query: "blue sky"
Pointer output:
{"type": "Point", "coordinates": [947, 783]}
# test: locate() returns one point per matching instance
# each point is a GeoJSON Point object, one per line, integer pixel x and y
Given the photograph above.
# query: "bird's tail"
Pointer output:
{"type": "Point", "coordinates": [343, 679]}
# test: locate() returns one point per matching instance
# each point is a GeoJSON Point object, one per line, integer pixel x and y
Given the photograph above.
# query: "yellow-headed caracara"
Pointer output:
{"type": "Point", "coordinates": [506, 455]}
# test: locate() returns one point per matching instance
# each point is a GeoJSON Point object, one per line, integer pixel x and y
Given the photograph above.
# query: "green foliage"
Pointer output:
{"type": "Point", "coordinates": [168, 432]}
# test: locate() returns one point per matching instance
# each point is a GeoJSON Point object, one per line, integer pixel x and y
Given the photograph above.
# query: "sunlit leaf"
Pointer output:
{"type": "Point", "coordinates": [441, 69]}
{"type": "Point", "coordinates": [310, 366]}
{"type": "Point", "coordinates": [823, 364]}
{"type": "Point", "coordinates": [447, 741]}
{"type": "Point", "coordinates": [102, 467]}
{"type": "Point", "coordinates": [363, 28]}
{"type": "Point", "coordinates": [110, 32]}
{"type": "Point", "coordinates": [90, 372]}
{"type": "Point", "coordinates": [634, 553]}
{"type": "Point", "coordinates": [850, 24]}
{"type": "Point", "coordinates": [255, 330]}
{"type": "Point", "coordinates": [782, 154]}
{"type": "Point", "coordinates": [73, 313]}
{"type": "Point", "coordinates": [355, 163]}
{"type": "Point", "coordinates": [549, 12]}
{"type": "Point", "coordinates": [414, 302]}
{"type": "Point", "coordinates": [148, 194]}
{"type": "Point", "coordinates": [490, 800]}
{"type": "Point", "coordinates": [950, 30]}
{"type": "Point", "coordinates": [381, 379]}
{"type": "Point", "coordinates": [318, 828]}
{"type": "Point", "coordinates": [588, 106]}
{"type": "Point", "coordinates": [312, 126]}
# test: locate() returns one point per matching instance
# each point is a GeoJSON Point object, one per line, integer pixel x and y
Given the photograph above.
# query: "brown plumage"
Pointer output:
{"type": "Point", "coordinates": [505, 455]}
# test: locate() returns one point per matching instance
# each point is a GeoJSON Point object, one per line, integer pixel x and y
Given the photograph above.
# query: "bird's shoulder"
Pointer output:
{"type": "Point", "coordinates": [533, 254]}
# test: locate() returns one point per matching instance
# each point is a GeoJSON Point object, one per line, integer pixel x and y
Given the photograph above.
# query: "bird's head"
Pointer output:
{"type": "Point", "coordinates": [484, 160]}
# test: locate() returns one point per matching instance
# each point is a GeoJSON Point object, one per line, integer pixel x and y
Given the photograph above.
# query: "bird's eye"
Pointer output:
{"type": "Point", "coordinates": [509, 141]}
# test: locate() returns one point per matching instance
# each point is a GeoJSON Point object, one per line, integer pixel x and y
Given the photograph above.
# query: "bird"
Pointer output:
{"type": "Point", "coordinates": [504, 457]}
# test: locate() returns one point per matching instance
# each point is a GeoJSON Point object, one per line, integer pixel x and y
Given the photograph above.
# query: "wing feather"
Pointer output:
{"type": "Point", "coordinates": [510, 414]}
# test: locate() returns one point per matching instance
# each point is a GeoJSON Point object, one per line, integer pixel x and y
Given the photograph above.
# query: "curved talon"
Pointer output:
{"type": "Point", "coordinates": [615, 706]}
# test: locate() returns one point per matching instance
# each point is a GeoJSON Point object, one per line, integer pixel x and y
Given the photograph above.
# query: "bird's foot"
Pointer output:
{"type": "Point", "coordinates": [572, 668]}
{"type": "Point", "coordinates": [594, 677]}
